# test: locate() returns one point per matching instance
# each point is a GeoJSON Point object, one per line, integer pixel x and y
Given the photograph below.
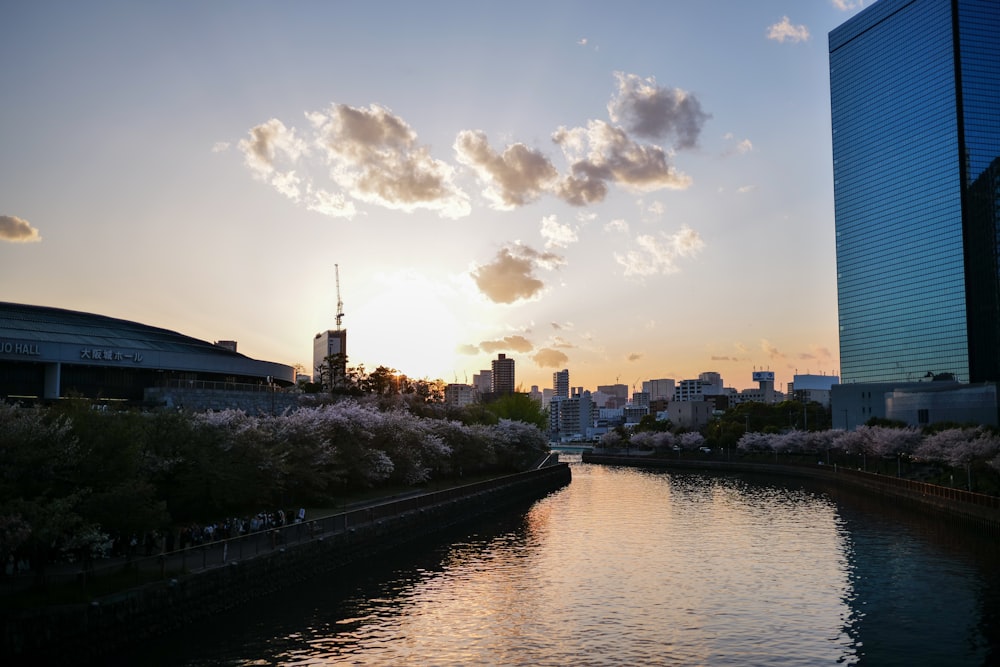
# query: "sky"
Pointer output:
{"type": "Point", "coordinates": [629, 190]}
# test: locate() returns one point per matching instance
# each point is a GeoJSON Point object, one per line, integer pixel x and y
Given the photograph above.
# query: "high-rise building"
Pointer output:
{"type": "Point", "coordinates": [659, 390]}
{"type": "Point", "coordinates": [503, 375]}
{"type": "Point", "coordinates": [915, 103]}
{"type": "Point", "coordinates": [330, 358]}
{"type": "Point", "coordinates": [560, 383]}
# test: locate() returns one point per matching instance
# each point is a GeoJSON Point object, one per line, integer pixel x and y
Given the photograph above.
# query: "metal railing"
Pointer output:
{"type": "Point", "coordinates": [131, 571]}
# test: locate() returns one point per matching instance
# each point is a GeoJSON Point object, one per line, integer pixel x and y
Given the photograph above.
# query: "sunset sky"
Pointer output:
{"type": "Point", "coordinates": [629, 190]}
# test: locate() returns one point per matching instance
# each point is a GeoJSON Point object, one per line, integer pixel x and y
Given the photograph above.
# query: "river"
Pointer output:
{"type": "Point", "coordinates": [634, 567]}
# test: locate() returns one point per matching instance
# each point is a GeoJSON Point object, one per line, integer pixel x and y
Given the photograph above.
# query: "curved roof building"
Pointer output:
{"type": "Point", "coordinates": [51, 353]}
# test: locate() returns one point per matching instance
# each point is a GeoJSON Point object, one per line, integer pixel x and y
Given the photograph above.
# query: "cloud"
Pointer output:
{"type": "Point", "coordinates": [771, 350]}
{"type": "Point", "coordinates": [508, 343]}
{"type": "Point", "coordinates": [847, 5]}
{"type": "Point", "coordinates": [602, 153]}
{"type": "Point", "coordinates": [374, 155]}
{"type": "Point", "coordinates": [817, 353]}
{"type": "Point", "coordinates": [656, 209]}
{"type": "Point", "coordinates": [559, 341]}
{"type": "Point", "coordinates": [744, 189]}
{"type": "Point", "coordinates": [658, 255]}
{"type": "Point", "coordinates": [723, 358]}
{"type": "Point", "coordinates": [511, 275]}
{"type": "Point", "coordinates": [468, 349]}
{"type": "Point", "coordinates": [655, 112]}
{"type": "Point", "coordinates": [617, 225]}
{"type": "Point", "coordinates": [549, 358]}
{"type": "Point", "coordinates": [582, 41]}
{"type": "Point", "coordinates": [350, 154]}
{"type": "Point", "coordinates": [557, 235]}
{"type": "Point", "coordinates": [220, 146]}
{"type": "Point", "coordinates": [741, 147]}
{"type": "Point", "coordinates": [784, 30]}
{"type": "Point", "coordinates": [515, 177]}
{"type": "Point", "coordinates": [635, 356]}
{"type": "Point", "coordinates": [17, 230]}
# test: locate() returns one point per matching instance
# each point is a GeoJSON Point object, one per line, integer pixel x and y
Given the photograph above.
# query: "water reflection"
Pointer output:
{"type": "Point", "coordinates": [633, 567]}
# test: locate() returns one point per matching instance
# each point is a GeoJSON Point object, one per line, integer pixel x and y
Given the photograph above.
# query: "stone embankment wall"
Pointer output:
{"type": "Point", "coordinates": [970, 508]}
{"type": "Point", "coordinates": [87, 634]}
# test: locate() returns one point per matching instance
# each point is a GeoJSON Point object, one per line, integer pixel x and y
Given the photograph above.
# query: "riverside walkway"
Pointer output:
{"type": "Point", "coordinates": [88, 579]}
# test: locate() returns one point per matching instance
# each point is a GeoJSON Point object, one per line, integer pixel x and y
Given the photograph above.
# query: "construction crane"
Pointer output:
{"type": "Point", "coordinates": [340, 303]}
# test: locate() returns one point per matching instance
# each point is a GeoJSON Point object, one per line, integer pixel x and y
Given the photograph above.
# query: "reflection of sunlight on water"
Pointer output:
{"type": "Point", "coordinates": [637, 567]}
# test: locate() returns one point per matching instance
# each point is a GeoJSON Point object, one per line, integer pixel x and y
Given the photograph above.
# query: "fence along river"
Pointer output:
{"type": "Point", "coordinates": [636, 567]}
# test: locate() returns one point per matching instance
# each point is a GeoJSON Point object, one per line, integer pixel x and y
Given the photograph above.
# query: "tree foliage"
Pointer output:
{"type": "Point", "coordinates": [75, 475]}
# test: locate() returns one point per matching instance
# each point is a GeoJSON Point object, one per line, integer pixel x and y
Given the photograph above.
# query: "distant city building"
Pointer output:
{"type": "Point", "coordinates": [915, 403]}
{"type": "Point", "coordinates": [560, 383]}
{"type": "Point", "coordinates": [689, 390]}
{"type": "Point", "coordinates": [617, 394]}
{"type": "Point", "coordinates": [503, 376]}
{"type": "Point", "coordinates": [914, 87]}
{"type": "Point", "coordinates": [711, 383]}
{"type": "Point", "coordinates": [764, 393]}
{"type": "Point", "coordinates": [691, 414]}
{"type": "Point", "coordinates": [634, 413]}
{"type": "Point", "coordinates": [536, 395]}
{"type": "Point", "coordinates": [659, 389]}
{"type": "Point", "coordinates": [482, 382]}
{"type": "Point", "coordinates": [641, 398]}
{"type": "Point", "coordinates": [812, 388]}
{"type": "Point", "coordinates": [571, 419]}
{"type": "Point", "coordinates": [227, 345]}
{"type": "Point", "coordinates": [459, 395]}
{"type": "Point", "coordinates": [330, 358]}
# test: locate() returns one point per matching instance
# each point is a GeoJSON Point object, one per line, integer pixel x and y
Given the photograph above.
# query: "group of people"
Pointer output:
{"type": "Point", "coordinates": [196, 535]}
{"type": "Point", "coordinates": [155, 542]}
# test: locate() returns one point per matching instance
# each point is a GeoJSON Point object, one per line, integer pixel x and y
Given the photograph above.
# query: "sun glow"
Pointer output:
{"type": "Point", "coordinates": [407, 326]}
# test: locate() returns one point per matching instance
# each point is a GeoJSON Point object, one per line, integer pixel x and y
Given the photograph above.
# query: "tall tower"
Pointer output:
{"type": "Point", "coordinates": [915, 102]}
{"type": "Point", "coordinates": [560, 383]}
{"type": "Point", "coordinates": [330, 348]}
{"type": "Point", "coordinates": [503, 375]}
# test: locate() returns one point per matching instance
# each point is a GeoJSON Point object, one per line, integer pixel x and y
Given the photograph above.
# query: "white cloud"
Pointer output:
{"type": "Point", "coordinates": [370, 154]}
{"type": "Point", "coordinates": [17, 230]}
{"type": "Point", "coordinates": [617, 225]}
{"type": "Point", "coordinates": [659, 255]}
{"type": "Point", "coordinates": [847, 5]}
{"type": "Point", "coordinates": [557, 235]}
{"type": "Point", "coordinates": [785, 31]}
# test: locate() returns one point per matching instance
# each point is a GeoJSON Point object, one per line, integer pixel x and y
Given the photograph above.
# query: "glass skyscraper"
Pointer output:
{"type": "Point", "coordinates": [915, 103]}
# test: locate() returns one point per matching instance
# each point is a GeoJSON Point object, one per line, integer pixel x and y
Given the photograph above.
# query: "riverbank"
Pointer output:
{"type": "Point", "coordinates": [233, 572]}
{"type": "Point", "coordinates": [975, 509]}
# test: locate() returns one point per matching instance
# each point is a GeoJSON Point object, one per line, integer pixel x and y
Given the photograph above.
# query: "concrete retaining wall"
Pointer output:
{"type": "Point", "coordinates": [82, 634]}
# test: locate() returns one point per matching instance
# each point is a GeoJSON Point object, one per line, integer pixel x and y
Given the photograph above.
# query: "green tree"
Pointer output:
{"type": "Point", "coordinates": [520, 407]}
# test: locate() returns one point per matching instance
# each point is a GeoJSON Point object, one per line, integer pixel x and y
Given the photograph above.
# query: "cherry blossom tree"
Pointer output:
{"type": "Point", "coordinates": [691, 440]}
{"type": "Point", "coordinates": [754, 442]}
{"type": "Point", "coordinates": [960, 447]}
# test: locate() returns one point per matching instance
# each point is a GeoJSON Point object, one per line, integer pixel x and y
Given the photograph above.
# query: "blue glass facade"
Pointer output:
{"type": "Point", "coordinates": [915, 103]}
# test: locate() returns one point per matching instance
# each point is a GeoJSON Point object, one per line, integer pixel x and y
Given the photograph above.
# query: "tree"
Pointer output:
{"type": "Point", "coordinates": [520, 407]}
